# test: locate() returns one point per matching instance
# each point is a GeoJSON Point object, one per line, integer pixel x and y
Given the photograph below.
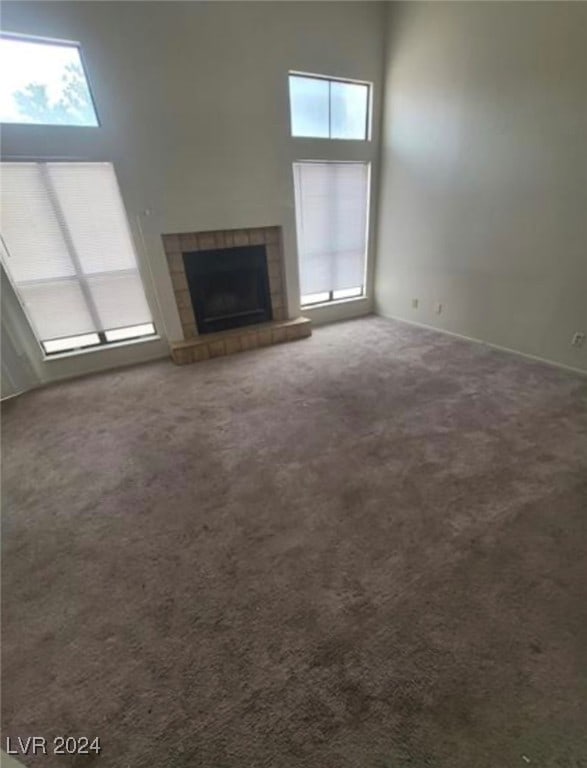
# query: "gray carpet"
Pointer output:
{"type": "Point", "coordinates": [365, 549]}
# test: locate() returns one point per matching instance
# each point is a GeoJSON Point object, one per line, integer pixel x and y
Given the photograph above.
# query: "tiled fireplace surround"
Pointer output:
{"type": "Point", "coordinates": [195, 347]}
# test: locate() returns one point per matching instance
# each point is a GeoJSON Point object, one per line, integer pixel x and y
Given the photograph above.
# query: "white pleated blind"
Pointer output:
{"type": "Point", "coordinates": [331, 216]}
{"type": "Point", "coordinates": [68, 250]}
{"type": "Point", "coordinates": [88, 195]}
{"type": "Point", "coordinates": [30, 227]}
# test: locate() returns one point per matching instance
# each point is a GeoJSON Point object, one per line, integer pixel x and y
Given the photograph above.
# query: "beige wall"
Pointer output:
{"type": "Point", "coordinates": [193, 103]}
{"type": "Point", "coordinates": [483, 203]}
{"type": "Point", "coordinates": [8, 762]}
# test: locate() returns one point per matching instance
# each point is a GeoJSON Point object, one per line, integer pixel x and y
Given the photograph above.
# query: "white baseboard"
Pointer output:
{"type": "Point", "coordinates": [517, 352]}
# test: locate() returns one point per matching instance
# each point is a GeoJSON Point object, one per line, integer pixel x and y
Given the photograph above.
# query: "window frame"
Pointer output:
{"type": "Point", "coordinates": [26, 38]}
{"type": "Point", "coordinates": [104, 342]}
{"type": "Point", "coordinates": [329, 79]}
{"type": "Point", "coordinates": [331, 300]}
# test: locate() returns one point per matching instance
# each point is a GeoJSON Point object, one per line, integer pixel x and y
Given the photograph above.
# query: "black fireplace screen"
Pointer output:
{"type": "Point", "coordinates": [229, 287]}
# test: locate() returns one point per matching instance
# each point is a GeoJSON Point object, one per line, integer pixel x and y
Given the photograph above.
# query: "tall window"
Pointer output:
{"type": "Point", "coordinates": [44, 83]}
{"type": "Point", "coordinates": [331, 216]}
{"type": "Point", "coordinates": [67, 248]}
{"type": "Point", "coordinates": [324, 108]}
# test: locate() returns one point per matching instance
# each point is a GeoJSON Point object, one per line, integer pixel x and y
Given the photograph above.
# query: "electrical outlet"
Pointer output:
{"type": "Point", "coordinates": [438, 308]}
{"type": "Point", "coordinates": [578, 339]}
{"type": "Point", "coordinates": [415, 303]}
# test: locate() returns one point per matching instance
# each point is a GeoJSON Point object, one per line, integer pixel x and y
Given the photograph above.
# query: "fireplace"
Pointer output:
{"type": "Point", "coordinates": [230, 290]}
{"type": "Point", "coordinates": [229, 287]}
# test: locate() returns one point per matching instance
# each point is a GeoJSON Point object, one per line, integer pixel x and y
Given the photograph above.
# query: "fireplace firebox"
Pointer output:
{"type": "Point", "coordinates": [229, 287]}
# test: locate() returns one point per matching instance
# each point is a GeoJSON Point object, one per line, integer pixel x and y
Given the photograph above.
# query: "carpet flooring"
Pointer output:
{"type": "Point", "coordinates": [366, 549]}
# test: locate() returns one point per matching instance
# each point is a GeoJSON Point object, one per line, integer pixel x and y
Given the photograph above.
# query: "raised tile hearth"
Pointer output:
{"type": "Point", "coordinates": [199, 344]}
{"type": "Point", "coordinates": [239, 340]}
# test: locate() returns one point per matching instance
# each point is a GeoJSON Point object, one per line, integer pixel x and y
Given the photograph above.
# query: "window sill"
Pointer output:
{"type": "Point", "coordinates": [367, 140]}
{"type": "Point", "coordinates": [335, 302]}
{"type": "Point", "coordinates": [102, 348]}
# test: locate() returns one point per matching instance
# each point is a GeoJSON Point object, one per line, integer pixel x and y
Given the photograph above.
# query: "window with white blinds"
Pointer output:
{"type": "Point", "coordinates": [67, 248]}
{"type": "Point", "coordinates": [332, 201]}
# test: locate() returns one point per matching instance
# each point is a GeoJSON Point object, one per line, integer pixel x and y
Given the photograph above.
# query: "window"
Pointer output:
{"type": "Point", "coordinates": [331, 217]}
{"type": "Point", "coordinates": [67, 248]}
{"type": "Point", "coordinates": [44, 83]}
{"type": "Point", "coordinates": [323, 108]}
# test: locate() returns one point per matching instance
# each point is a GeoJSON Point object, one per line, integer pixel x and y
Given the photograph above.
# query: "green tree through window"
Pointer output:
{"type": "Point", "coordinates": [74, 106]}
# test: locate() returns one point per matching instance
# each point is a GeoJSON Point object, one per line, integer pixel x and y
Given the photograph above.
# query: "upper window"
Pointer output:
{"type": "Point", "coordinates": [67, 248]}
{"type": "Point", "coordinates": [323, 108]}
{"type": "Point", "coordinates": [43, 83]}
